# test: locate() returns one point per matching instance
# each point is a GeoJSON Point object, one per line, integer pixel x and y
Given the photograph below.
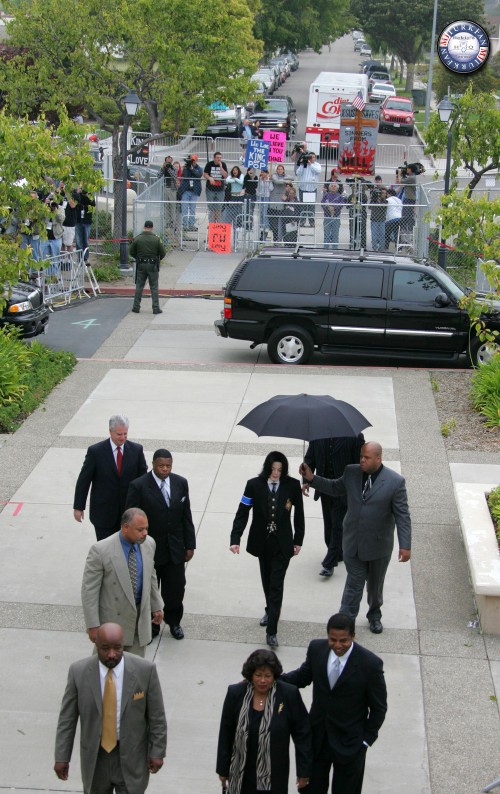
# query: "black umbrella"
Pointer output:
{"type": "Point", "coordinates": [305, 416]}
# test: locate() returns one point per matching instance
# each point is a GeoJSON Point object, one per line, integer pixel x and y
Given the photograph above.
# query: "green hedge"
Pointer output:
{"type": "Point", "coordinates": [485, 391]}
{"type": "Point", "coordinates": [28, 373]}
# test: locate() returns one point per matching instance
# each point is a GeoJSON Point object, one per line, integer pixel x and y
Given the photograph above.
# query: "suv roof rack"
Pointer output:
{"type": "Point", "coordinates": [313, 252]}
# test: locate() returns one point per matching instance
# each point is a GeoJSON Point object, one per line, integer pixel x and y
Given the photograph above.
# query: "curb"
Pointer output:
{"type": "Point", "coordinates": [129, 292]}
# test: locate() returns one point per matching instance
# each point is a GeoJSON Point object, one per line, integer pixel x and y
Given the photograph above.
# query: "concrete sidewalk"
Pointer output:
{"type": "Point", "coordinates": [186, 389]}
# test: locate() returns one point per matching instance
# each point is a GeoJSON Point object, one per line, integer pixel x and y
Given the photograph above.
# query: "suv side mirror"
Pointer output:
{"type": "Point", "coordinates": [441, 299]}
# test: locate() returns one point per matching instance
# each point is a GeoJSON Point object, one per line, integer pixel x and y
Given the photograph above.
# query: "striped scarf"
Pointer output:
{"type": "Point", "coordinates": [239, 756]}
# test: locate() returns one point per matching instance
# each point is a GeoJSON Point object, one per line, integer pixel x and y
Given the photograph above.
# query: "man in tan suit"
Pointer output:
{"type": "Point", "coordinates": [119, 583]}
{"type": "Point", "coordinates": [123, 730]}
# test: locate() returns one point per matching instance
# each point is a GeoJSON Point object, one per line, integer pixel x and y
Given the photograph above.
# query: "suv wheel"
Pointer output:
{"type": "Point", "coordinates": [290, 346]}
{"type": "Point", "coordinates": [482, 352]}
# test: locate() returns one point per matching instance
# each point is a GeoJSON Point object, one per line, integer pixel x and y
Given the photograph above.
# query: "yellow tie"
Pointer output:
{"type": "Point", "coordinates": [108, 736]}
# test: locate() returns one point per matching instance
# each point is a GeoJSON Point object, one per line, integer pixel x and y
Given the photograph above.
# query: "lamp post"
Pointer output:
{"type": "Point", "coordinates": [131, 102]}
{"type": "Point", "coordinates": [445, 110]}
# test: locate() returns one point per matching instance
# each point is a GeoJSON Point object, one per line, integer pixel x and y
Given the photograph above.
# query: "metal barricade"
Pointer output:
{"type": "Point", "coordinates": [62, 278]}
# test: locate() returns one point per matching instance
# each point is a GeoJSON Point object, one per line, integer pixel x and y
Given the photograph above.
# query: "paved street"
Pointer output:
{"type": "Point", "coordinates": [184, 388]}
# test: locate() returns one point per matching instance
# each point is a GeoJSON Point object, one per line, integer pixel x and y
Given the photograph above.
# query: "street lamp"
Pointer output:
{"type": "Point", "coordinates": [445, 110]}
{"type": "Point", "coordinates": [131, 102]}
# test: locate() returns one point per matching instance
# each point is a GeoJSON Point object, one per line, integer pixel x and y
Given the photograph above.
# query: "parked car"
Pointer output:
{"type": "Point", "coordinates": [350, 303]}
{"type": "Point", "coordinates": [271, 75]}
{"type": "Point", "coordinates": [357, 34]}
{"type": "Point", "coordinates": [369, 63]}
{"type": "Point", "coordinates": [293, 60]}
{"type": "Point", "coordinates": [366, 50]}
{"type": "Point", "coordinates": [276, 113]}
{"type": "Point", "coordinates": [397, 114]}
{"type": "Point", "coordinates": [379, 77]}
{"type": "Point", "coordinates": [264, 79]}
{"type": "Point", "coordinates": [378, 68]}
{"type": "Point", "coordinates": [358, 44]}
{"type": "Point", "coordinates": [283, 66]}
{"type": "Point", "coordinates": [226, 123]}
{"type": "Point", "coordinates": [380, 91]}
{"type": "Point", "coordinates": [25, 309]}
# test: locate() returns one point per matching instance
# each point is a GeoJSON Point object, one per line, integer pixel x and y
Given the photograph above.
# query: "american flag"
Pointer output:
{"type": "Point", "coordinates": [358, 102]}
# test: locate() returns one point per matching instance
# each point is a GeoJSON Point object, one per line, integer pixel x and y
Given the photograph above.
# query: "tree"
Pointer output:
{"type": "Point", "coordinates": [406, 26]}
{"type": "Point", "coordinates": [296, 24]}
{"type": "Point", "coordinates": [476, 136]}
{"type": "Point", "coordinates": [28, 154]}
{"type": "Point", "coordinates": [483, 81]}
{"type": "Point", "coordinates": [179, 58]}
{"type": "Point", "coordinates": [474, 225]}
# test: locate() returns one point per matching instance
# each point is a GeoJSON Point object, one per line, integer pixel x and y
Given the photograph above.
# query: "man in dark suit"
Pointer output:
{"type": "Point", "coordinates": [328, 457]}
{"type": "Point", "coordinates": [123, 730]}
{"type": "Point", "coordinates": [271, 496]}
{"type": "Point", "coordinates": [376, 502]}
{"type": "Point", "coordinates": [164, 497]}
{"type": "Point", "coordinates": [349, 704]}
{"type": "Point", "coordinates": [109, 467]}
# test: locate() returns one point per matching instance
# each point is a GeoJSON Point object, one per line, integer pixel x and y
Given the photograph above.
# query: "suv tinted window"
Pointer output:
{"type": "Point", "coordinates": [409, 285]}
{"type": "Point", "coordinates": [360, 282]}
{"type": "Point", "coordinates": [274, 275]}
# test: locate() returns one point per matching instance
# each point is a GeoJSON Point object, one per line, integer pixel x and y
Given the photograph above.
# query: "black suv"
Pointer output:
{"type": "Point", "coordinates": [276, 113]}
{"type": "Point", "coordinates": [349, 302]}
{"type": "Point", "coordinates": [25, 309]}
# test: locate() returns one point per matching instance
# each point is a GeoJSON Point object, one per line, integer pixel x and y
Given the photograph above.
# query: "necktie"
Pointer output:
{"type": "Point", "coordinates": [119, 459]}
{"type": "Point", "coordinates": [367, 485]}
{"type": "Point", "coordinates": [164, 490]}
{"type": "Point", "coordinates": [334, 672]}
{"type": "Point", "coordinates": [108, 734]}
{"type": "Point", "coordinates": [132, 569]}
{"type": "Point", "coordinates": [274, 486]}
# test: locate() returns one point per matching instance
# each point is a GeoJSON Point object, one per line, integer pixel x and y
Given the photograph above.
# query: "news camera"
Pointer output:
{"type": "Point", "coordinates": [414, 168]}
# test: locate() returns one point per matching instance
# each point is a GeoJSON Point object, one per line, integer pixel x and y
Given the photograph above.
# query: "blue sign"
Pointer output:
{"type": "Point", "coordinates": [257, 154]}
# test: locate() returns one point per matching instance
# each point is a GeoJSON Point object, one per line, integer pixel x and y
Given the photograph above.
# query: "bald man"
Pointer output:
{"type": "Point", "coordinates": [123, 730]}
{"type": "Point", "coordinates": [376, 503]}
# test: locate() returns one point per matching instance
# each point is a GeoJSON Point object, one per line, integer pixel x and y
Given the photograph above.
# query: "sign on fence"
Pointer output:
{"type": "Point", "coordinates": [219, 238]}
{"type": "Point", "coordinates": [278, 145]}
{"type": "Point", "coordinates": [257, 154]}
{"type": "Point", "coordinates": [358, 139]}
{"type": "Point", "coordinates": [142, 156]}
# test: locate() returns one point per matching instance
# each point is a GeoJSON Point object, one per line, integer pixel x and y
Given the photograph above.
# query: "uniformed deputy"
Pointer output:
{"type": "Point", "coordinates": [271, 495]}
{"type": "Point", "coordinates": [148, 250]}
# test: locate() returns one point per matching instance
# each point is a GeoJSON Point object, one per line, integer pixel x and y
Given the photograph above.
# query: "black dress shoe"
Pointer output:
{"type": "Point", "coordinates": [263, 620]}
{"type": "Point", "coordinates": [376, 627]}
{"type": "Point", "coordinates": [177, 632]}
{"type": "Point", "coordinates": [272, 640]}
{"type": "Point", "coordinates": [136, 311]}
{"type": "Point", "coordinates": [158, 311]}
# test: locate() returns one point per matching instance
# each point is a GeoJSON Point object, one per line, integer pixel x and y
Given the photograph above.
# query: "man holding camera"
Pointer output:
{"type": "Point", "coordinates": [308, 172]}
{"type": "Point", "coordinates": [406, 176]}
{"type": "Point", "coordinates": [189, 190]}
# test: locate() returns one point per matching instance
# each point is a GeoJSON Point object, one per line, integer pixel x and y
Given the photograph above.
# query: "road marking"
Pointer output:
{"type": "Point", "coordinates": [86, 323]}
{"type": "Point", "coordinates": [17, 509]}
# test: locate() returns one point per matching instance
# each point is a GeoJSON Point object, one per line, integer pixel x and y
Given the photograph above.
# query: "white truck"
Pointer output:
{"type": "Point", "coordinates": [326, 94]}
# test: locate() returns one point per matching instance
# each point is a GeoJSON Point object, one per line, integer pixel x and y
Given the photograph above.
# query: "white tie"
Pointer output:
{"type": "Point", "coordinates": [164, 490]}
{"type": "Point", "coordinates": [334, 672]}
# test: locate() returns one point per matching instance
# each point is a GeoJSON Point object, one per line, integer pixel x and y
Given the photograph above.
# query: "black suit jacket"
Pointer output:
{"type": "Point", "coordinates": [109, 491]}
{"type": "Point", "coordinates": [256, 498]}
{"type": "Point", "coordinates": [289, 719]}
{"type": "Point", "coordinates": [343, 451]}
{"type": "Point", "coordinates": [353, 711]}
{"type": "Point", "coordinates": [171, 526]}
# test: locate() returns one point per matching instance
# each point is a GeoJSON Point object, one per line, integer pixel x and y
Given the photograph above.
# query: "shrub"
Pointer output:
{"type": "Point", "coordinates": [28, 373]}
{"type": "Point", "coordinates": [494, 505]}
{"type": "Point", "coordinates": [107, 271]}
{"type": "Point", "coordinates": [485, 391]}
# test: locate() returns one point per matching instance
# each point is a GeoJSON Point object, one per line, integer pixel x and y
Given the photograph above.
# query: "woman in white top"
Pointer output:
{"type": "Point", "coordinates": [234, 207]}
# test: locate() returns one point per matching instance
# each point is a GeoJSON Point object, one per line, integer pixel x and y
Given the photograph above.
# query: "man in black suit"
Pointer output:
{"type": "Point", "coordinates": [108, 469]}
{"type": "Point", "coordinates": [348, 708]}
{"type": "Point", "coordinates": [376, 503]}
{"type": "Point", "coordinates": [271, 496]}
{"type": "Point", "coordinates": [328, 457]}
{"type": "Point", "coordinates": [164, 497]}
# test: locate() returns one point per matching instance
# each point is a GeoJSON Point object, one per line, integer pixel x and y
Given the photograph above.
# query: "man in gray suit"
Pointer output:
{"type": "Point", "coordinates": [119, 583]}
{"type": "Point", "coordinates": [376, 502]}
{"type": "Point", "coordinates": [123, 729]}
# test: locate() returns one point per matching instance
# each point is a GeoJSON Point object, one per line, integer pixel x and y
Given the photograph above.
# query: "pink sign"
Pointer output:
{"type": "Point", "coordinates": [278, 145]}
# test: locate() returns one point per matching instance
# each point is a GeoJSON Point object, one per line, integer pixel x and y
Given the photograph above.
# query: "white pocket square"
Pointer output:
{"type": "Point", "coordinates": [183, 499]}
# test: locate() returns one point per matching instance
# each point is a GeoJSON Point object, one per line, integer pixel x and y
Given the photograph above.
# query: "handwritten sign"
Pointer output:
{"type": "Point", "coordinates": [219, 238]}
{"type": "Point", "coordinates": [278, 145]}
{"type": "Point", "coordinates": [257, 154]}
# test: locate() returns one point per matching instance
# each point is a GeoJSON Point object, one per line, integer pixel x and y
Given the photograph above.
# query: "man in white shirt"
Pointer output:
{"type": "Point", "coordinates": [392, 218]}
{"type": "Point", "coordinates": [123, 730]}
{"type": "Point", "coordinates": [308, 172]}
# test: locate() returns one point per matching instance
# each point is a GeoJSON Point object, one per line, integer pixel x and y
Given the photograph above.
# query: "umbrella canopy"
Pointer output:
{"type": "Point", "coordinates": [305, 416]}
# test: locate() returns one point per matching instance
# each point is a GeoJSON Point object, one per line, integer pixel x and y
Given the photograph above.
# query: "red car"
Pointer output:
{"type": "Point", "coordinates": [396, 113]}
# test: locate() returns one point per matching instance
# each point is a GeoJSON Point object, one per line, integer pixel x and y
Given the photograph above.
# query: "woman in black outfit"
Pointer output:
{"type": "Point", "coordinates": [258, 718]}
